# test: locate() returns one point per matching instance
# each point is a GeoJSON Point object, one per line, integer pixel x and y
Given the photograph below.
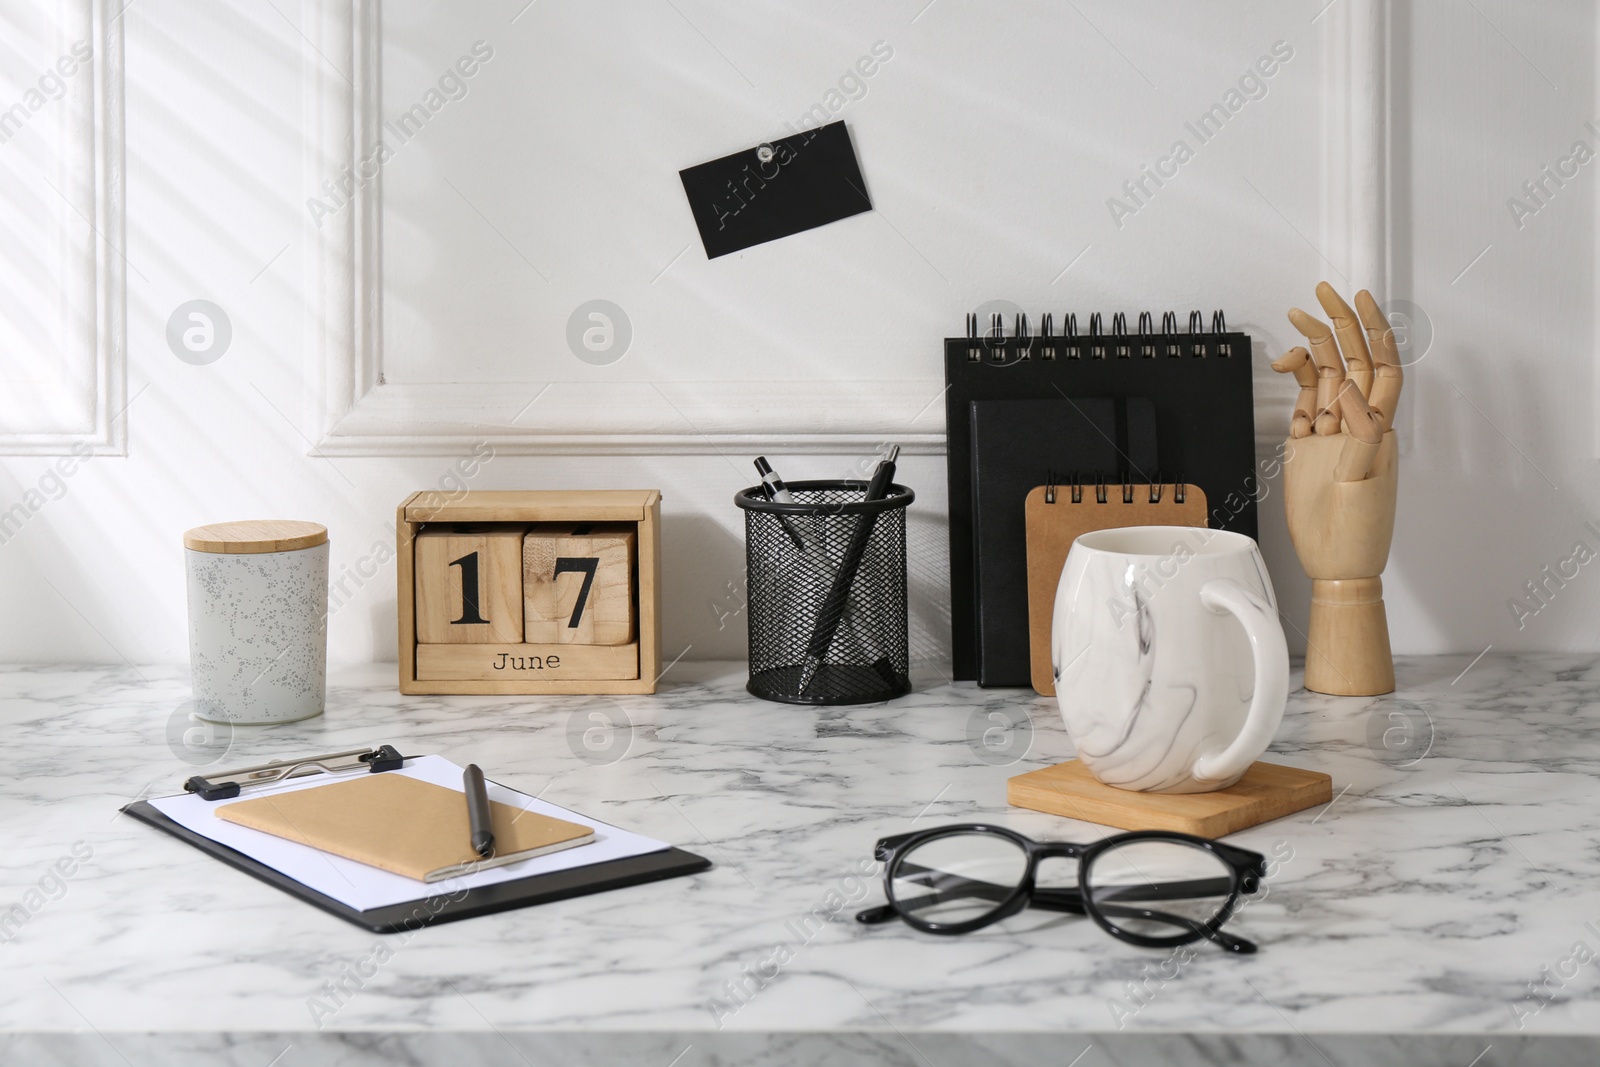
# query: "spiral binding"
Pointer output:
{"type": "Point", "coordinates": [1157, 486]}
{"type": "Point", "coordinates": [1219, 324]}
{"type": "Point", "coordinates": [1021, 343]}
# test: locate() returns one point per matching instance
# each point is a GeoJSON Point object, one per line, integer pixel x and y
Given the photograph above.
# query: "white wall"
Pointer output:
{"type": "Point", "coordinates": [990, 141]}
{"type": "Point", "coordinates": [1502, 474]}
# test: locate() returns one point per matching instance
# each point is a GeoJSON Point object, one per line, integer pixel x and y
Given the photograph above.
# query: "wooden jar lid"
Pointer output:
{"type": "Point", "coordinates": [256, 535]}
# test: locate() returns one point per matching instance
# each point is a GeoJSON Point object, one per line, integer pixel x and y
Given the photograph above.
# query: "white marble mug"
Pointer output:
{"type": "Point", "coordinates": [1170, 665]}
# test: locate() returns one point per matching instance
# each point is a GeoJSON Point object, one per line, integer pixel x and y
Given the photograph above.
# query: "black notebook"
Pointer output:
{"type": "Point", "coordinates": [1015, 446]}
{"type": "Point", "coordinates": [1198, 380]}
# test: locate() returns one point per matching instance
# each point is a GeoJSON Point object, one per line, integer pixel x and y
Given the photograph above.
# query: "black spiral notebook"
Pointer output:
{"type": "Point", "coordinates": [1015, 444]}
{"type": "Point", "coordinates": [1198, 382]}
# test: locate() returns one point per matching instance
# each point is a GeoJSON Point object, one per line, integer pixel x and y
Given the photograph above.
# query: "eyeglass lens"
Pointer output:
{"type": "Point", "coordinates": [1159, 888]}
{"type": "Point", "coordinates": [958, 878]}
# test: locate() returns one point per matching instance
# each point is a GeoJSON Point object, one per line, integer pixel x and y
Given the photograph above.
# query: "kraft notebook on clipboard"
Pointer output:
{"type": "Point", "coordinates": [1058, 514]}
{"type": "Point", "coordinates": [403, 825]}
{"type": "Point", "coordinates": [1198, 380]}
{"type": "Point", "coordinates": [1013, 443]}
{"type": "Point", "coordinates": [382, 900]}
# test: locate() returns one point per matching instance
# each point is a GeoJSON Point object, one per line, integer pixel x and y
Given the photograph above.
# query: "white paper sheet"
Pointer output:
{"type": "Point", "coordinates": [363, 887]}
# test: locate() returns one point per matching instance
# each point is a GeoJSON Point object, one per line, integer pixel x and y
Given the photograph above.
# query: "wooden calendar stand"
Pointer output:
{"type": "Point", "coordinates": [482, 572]}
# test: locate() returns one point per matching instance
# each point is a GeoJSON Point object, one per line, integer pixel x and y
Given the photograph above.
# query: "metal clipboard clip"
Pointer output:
{"type": "Point", "coordinates": [225, 785]}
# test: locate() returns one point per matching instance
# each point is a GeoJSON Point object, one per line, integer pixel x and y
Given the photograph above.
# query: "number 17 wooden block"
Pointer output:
{"type": "Point", "coordinates": [469, 585]}
{"type": "Point", "coordinates": [578, 584]}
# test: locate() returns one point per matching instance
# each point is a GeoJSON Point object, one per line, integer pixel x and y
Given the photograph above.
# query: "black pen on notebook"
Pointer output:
{"type": "Point", "coordinates": [478, 811]}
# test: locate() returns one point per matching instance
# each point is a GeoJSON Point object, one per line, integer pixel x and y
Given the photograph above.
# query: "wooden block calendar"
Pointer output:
{"type": "Point", "coordinates": [526, 592]}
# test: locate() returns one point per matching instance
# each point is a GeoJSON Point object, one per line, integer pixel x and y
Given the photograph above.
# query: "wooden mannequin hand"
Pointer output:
{"type": "Point", "coordinates": [1340, 528]}
{"type": "Point", "coordinates": [1340, 479]}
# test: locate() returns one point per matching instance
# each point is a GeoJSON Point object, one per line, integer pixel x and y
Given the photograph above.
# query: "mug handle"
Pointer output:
{"type": "Point", "coordinates": [1271, 655]}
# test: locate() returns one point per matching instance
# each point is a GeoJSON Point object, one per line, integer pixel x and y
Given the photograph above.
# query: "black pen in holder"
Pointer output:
{"type": "Point", "coordinates": [793, 554]}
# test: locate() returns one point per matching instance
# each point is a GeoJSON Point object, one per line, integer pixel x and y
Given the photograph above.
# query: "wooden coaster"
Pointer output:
{"type": "Point", "coordinates": [1266, 792]}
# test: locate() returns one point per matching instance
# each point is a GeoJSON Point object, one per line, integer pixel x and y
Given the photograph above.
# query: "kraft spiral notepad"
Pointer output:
{"type": "Point", "coordinates": [1057, 514]}
{"type": "Point", "coordinates": [1198, 380]}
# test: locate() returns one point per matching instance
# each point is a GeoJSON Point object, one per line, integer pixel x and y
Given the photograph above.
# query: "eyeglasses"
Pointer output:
{"type": "Point", "coordinates": [956, 879]}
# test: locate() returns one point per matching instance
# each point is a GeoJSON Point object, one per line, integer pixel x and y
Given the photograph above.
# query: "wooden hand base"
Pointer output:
{"type": "Point", "coordinates": [1347, 650]}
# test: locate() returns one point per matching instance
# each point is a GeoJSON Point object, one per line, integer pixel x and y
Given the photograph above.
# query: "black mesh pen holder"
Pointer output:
{"type": "Point", "coordinates": [807, 646]}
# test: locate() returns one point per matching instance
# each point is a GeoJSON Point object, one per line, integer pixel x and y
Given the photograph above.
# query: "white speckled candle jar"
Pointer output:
{"type": "Point", "coordinates": [258, 620]}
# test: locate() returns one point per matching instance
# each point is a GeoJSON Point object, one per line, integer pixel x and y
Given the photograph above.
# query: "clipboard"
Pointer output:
{"type": "Point", "coordinates": [439, 904]}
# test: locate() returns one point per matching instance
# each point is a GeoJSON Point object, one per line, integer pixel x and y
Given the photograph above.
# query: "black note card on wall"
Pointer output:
{"type": "Point", "coordinates": [776, 189]}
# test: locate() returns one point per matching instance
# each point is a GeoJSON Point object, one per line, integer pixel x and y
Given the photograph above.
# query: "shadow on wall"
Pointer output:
{"type": "Point", "coordinates": [384, 620]}
{"type": "Point", "coordinates": [928, 564]}
{"type": "Point", "coordinates": [702, 589]}
{"type": "Point", "coordinates": [1491, 536]}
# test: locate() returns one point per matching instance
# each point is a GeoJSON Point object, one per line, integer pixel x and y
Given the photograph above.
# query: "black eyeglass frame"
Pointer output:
{"type": "Point", "coordinates": [1246, 870]}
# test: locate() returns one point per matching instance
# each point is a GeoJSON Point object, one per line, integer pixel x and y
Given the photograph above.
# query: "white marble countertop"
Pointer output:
{"type": "Point", "coordinates": [1454, 868]}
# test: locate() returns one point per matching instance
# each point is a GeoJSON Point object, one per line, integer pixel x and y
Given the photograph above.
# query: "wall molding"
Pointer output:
{"type": "Point", "coordinates": [1353, 224]}
{"type": "Point", "coordinates": [93, 387]}
{"type": "Point", "coordinates": [1355, 191]}
{"type": "Point", "coordinates": [358, 413]}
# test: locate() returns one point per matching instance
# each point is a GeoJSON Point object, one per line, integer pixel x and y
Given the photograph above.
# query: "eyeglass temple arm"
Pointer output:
{"type": "Point", "coordinates": [1226, 940]}
{"type": "Point", "coordinates": [949, 886]}
{"type": "Point", "coordinates": [946, 886]}
{"type": "Point", "coordinates": [1068, 900]}
{"type": "Point", "coordinates": [1112, 905]}
{"type": "Point", "coordinates": [1189, 890]}
{"type": "Point", "coordinates": [954, 886]}
{"type": "Point", "coordinates": [1071, 901]}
